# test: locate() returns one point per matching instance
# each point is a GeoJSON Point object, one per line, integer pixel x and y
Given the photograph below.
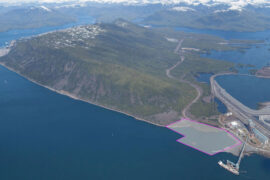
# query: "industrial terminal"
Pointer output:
{"type": "Point", "coordinates": [254, 138]}
{"type": "Point", "coordinates": [251, 126]}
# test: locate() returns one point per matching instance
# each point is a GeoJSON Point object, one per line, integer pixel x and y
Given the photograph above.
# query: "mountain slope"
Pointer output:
{"type": "Point", "coordinates": [120, 66]}
{"type": "Point", "coordinates": [32, 17]}
{"type": "Point", "coordinates": [219, 19]}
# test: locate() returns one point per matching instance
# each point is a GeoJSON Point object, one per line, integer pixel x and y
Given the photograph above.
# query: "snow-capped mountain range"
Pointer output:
{"type": "Point", "coordinates": [235, 15]}
{"type": "Point", "coordinates": [234, 3]}
{"type": "Point", "coordinates": [231, 4]}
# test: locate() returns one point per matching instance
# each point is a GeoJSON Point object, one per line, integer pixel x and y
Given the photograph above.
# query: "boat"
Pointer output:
{"type": "Point", "coordinates": [230, 167]}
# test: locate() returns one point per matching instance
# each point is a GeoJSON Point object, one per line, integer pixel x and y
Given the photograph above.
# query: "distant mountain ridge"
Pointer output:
{"type": "Point", "coordinates": [189, 2]}
{"type": "Point", "coordinates": [247, 19]}
{"type": "Point", "coordinates": [236, 15]}
{"type": "Point", "coordinates": [32, 17]}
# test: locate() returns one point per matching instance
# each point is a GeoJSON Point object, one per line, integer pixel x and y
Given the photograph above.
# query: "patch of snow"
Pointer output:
{"type": "Point", "coordinates": [121, 24]}
{"type": "Point", "coordinates": [182, 8]}
{"type": "Point", "coordinates": [229, 9]}
{"type": "Point", "coordinates": [73, 5]}
{"type": "Point", "coordinates": [235, 8]}
{"type": "Point", "coordinates": [221, 11]}
{"type": "Point", "coordinates": [45, 8]}
{"type": "Point", "coordinates": [189, 2]}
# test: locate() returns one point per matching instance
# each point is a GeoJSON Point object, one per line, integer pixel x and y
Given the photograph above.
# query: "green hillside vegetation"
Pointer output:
{"type": "Point", "coordinates": [120, 66]}
{"type": "Point", "coordinates": [191, 67]}
{"type": "Point", "coordinates": [206, 43]}
{"type": "Point", "coordinates": [123, 68]}
{"type": "Point", "coordinates": [203, 109]}
{"type": "Point", "coordinates": [195, 64]}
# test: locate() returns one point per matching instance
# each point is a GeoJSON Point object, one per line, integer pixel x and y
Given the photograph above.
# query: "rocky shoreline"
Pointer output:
{"type": "Point", "coordinates": [4, 51]}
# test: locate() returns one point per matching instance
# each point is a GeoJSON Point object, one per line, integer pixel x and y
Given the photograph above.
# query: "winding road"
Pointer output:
{"type": "Point", "coordinates": [178, 50]}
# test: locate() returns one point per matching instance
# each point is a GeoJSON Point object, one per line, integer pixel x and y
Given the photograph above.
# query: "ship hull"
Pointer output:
{"type": "Point", "coordinates": [229, 168]}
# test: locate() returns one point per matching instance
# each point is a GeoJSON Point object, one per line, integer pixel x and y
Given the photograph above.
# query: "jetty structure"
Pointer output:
{"type": "Point", "coordinates": [232, 167]}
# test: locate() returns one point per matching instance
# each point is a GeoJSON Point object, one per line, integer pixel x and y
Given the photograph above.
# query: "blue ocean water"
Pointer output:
{"type": "Point", "coordinates": [204, 77]}
{"type": "Point", "coordinates": [44, 135]}
{"type": "Point", "coordinates": [258, 55]}
{"type": "Point", "coordinates": [249, 90]}
{"type": "Point", "coordinates": [229, 34]}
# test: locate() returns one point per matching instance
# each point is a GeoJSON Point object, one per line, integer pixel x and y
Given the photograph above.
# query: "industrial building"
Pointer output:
{"type": "Point", "coordinates": [260, 136]}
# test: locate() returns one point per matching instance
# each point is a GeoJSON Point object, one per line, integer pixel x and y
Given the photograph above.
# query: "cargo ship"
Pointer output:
{"type": "Point", "coordinates": [230, 166]}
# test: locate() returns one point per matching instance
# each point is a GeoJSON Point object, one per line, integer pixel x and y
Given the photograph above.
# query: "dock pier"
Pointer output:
{"type": "Point", "coordinates": [232, 167]}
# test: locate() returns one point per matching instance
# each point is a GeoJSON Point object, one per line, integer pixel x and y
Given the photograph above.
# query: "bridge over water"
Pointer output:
{"type": "Point", "coordinates": [222, 92]}
{"type": "Point", "coordinates": [240, 110]}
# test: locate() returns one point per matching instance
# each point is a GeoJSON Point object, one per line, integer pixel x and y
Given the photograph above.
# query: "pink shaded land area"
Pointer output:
{"type": "Point", "coordinates": [238, 142]}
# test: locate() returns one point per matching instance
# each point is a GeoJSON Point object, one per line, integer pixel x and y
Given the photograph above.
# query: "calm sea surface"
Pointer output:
{"type": "Point", "coordinates": [47, 136]}
{"type": "Point", "coordinates": [249, 90]}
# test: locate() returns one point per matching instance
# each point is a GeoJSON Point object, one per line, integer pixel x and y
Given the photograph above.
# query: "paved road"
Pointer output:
{"type": "Point", "coordinates": [179, 51]}
{"type": "Point", "coordinates": [199, 94]}
{"type": "Point", "coordinates": [225, 94]}
{"type": "Point", "coordinates": [241, 111]}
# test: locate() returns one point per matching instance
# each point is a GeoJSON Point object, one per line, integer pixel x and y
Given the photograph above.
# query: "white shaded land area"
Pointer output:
{"type": "Point", "coordinates": [204, 138]}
